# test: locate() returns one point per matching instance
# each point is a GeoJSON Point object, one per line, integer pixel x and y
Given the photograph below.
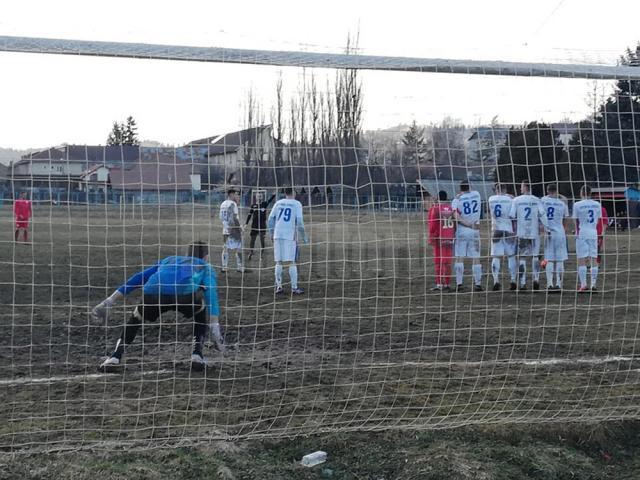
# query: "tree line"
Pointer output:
{"type": "Point", "coordinates": [603, 150]}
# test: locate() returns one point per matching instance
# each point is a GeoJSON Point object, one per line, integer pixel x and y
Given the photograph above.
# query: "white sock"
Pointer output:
{"type": "Point", "coordinates": [513, 268]}
{"type": "Point", "coordinates": [495, 270]}
{"type": "Point", "coordinates": [559, 273]}
{"type": "Point", "coordinates": [594, 276]}
{"type": "Point", "coordinates": [535, 268]}
{"type": "Point", "coordinates": [582, 275]}
{"type": "Point", "coordinates": [523, 272]}
{"type": "Point", "coordinates": [477, 274]}
{"type": "Point", "coordinates": [278, 275]}
{"type": "Point", "coordinates": [459, 267]}
{"type": "Point", "coordinates": [549, 271]}
{"type": "Point", "coordinates": [225, 258]}
{"type": "Point", "coordinates": [293, 275]}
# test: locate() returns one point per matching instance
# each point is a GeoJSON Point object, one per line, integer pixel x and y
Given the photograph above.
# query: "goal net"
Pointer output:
{"type": "Point", "coordinates": [373, 339]}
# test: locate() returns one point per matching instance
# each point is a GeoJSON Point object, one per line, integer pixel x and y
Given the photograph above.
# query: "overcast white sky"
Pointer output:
{"type": "Point", "coordinates": [48, 100]}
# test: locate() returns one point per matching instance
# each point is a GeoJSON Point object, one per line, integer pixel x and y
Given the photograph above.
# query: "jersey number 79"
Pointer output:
{"type": "Point", "coordinates": [284, 214]}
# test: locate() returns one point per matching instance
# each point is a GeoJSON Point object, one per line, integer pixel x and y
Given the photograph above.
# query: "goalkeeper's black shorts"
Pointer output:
{"type": "Point", "coordinates": [191, 306]}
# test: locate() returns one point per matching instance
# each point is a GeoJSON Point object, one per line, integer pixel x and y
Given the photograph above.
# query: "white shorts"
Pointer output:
{"type": "Point", "coordinates": [503, 243]}
{"type": "Point", "coordinates": [285, 250]}
{"type": "Point", "coordinates": [529, 247]}
{"type": "Point", "coordinates": [586, 247]}
{"type": "Point", "coordinates": [555, 249]}
{"type": "Point", "coordinates": [467, 243]}
{"type": "Point", "coordinates": [233, 243]}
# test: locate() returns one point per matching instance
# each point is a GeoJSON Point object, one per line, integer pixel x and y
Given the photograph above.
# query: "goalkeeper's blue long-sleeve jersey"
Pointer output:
{"type": "Point", "coordinates": [177, 275]}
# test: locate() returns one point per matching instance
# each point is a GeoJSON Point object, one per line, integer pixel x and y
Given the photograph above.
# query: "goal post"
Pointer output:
{"type": "Point", "coordinates": [369, 330]}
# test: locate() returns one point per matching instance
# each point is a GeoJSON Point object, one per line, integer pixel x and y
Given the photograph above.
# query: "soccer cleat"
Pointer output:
{"type": "Point", "coordinates": [522, 288]}
{"type": "Point", "coordinates": [478, 288]}
{"type": "Point", "coordinates": [110, 364]}
{"type": "Point", "coordinates": [198, 362]}
{"type": "Point", "coordinates": [240, 269]}
{"type": "Point", "coordinates": [279, 290]}
{"type": "Point", "coordinates": [536, 285]}
{"type": "Point", "coordinates": [497, 287]}
{"type": "Point", "coordinates": [513, 286]}
{"type": "Point", "coordinates": [594, 288]}
{"type": "Point", "coordinates": [223, 270]}
{"type": "Point", "coordinates": [446, 288]}
{"type": "Point", "coordinates": [437, 288]}
{"type": "Point", "coordinates": [297, 291]}
{"type": "Point", "coordinates": [459, 288]}
{"type": "Point", "coordinates": [583, 290]}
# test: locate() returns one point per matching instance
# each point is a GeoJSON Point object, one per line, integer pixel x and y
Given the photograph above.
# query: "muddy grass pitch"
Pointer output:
{"type": "Point", "coordinates": [368, 347]}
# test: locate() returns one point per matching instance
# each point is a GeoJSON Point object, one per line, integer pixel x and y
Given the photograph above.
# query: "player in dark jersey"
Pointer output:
{"type": "Point", "coordinates": [186, 284]}
{"type": "Point", "coordinates": [258, 218]}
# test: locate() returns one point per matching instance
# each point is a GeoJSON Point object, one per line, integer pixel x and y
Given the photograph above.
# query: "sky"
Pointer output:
{"type": "Point", "coordinates": [49, 100]}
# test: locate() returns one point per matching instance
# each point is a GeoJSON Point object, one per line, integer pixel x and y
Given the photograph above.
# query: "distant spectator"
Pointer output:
{"type": "Point", "coordinates": [22, 211]}
{"type": "Point", "coordinates": [632, 194]}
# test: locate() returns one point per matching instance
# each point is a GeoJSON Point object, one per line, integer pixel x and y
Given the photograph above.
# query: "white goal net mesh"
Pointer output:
{"type": "Point", "coordinates": [369, 345]}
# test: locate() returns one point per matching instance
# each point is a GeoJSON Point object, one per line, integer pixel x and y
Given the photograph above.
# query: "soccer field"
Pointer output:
{"type": "Point", "coordinates": [367, 347]}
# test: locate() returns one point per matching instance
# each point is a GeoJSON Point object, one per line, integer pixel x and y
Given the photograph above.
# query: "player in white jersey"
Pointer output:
{"type": "Point", "coordinates": [586, 214]}
{"type": "Point", "coordinates": [526, 210]}
{"type": "Point", "coordinates": [231, 230]}
{"type": "Point", "coordinates": [503, 240]}
{"type": "Point", "coordinates": [285, 225]}
{"type": "Point", "coordinates": [466, 210]}
{"type": "Point", "coordinates": [554, 217]}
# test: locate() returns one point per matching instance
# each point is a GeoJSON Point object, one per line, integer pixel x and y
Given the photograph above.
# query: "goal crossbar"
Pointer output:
{"type": "Point", "coordinates": [313, 59]}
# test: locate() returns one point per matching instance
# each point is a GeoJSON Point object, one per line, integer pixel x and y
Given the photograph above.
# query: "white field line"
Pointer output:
{"type": "Point", "coordinates": [75, 378]}
{"type": "Point", "coordinates": [472, 364]}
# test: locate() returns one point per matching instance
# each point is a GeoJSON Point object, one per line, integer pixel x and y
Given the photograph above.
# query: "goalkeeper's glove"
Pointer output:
{"type": "Point", "coordinates": [102, 311]}
{"type": "Point", "coordinates": [215, 334]}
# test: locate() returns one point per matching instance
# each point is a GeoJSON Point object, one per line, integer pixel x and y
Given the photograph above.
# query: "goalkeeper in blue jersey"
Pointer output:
{"type": "Point", "coordinates": [186, 284]}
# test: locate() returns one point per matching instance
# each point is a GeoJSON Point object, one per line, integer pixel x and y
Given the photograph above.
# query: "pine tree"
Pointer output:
{"type": "Point", "coordinates": [116, 134]}
{"type": "Point", "coordinates": [414, 144]}
{"type": "Point", "coordinates": [124, 133]}
{"type": "Point", "coordinates": [130, 132]}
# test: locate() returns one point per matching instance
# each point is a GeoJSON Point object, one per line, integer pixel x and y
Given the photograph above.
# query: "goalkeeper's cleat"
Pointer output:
{"type": "Point", "coordinates": [110, 364]}
{"type": "Point", "coordinates": [297, 291]}
{"type": "Point", "coordinates": [198, 362]}
{"type": "Point", "coordinates": [497, 287]}
{"type": "Point", "coordinates": [536, 285]}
